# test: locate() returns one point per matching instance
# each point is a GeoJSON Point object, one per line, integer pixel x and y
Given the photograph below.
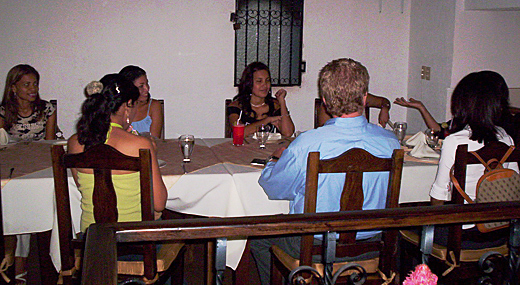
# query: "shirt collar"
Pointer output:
{"type": "Point", "coordinates": [353, 122]}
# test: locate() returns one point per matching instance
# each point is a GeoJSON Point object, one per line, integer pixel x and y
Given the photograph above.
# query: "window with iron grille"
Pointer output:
{"type": "Point", "coordinates": [270, 31]}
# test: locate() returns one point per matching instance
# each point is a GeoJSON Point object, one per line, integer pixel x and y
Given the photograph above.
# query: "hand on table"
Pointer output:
{"type": "Point", "coordinates": [384, 116]}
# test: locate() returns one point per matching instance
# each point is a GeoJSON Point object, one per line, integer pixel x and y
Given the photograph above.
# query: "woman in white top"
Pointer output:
{"type": "Point", "coordinates": [477, 105]}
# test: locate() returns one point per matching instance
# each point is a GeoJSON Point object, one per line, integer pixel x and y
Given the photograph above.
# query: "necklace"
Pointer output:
{"type": "Point", "coordinates": [256, 106]}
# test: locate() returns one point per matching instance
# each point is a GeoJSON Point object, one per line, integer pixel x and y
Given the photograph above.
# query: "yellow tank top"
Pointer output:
{"type": "Point", "coordinates": [128, 195]}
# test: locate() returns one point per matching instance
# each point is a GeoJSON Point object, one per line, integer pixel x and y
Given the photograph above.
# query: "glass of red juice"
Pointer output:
{"type": "Point", "coordinates": [238, 134]}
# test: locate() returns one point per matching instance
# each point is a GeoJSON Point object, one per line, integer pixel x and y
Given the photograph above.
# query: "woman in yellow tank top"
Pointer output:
{"type": "Point", "coordinates": [106, 116]}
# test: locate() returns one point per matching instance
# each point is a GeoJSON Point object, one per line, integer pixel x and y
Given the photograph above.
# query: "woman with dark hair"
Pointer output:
{"type": "Point", "coordinates": [148, 116]}
{"type": "Point", "coordinates": [477, 105]}
{"type": "Point", "coordinates": [22, 113]}
{"type": "Point", "coordinates": [105, 116]}
{"type": "Point", "coordinates": [254, 105]}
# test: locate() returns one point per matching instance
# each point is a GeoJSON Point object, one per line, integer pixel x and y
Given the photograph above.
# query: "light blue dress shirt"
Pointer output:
{"type": "Point", "coordinates": [285, 179]}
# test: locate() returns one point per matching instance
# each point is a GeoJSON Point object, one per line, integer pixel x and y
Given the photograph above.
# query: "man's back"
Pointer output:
{"type": "Point", "coordinates": [285, 180]}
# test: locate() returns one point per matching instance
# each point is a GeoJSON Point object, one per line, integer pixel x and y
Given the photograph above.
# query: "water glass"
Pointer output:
{"type": "Point", "coordinates": [400, 131]}
{"type": "Point", "coordinates": [262, 134]}
{"type": "Point", "coordinates": [186, 143]}
{"type": "Point", "coordinates": [432, 138]}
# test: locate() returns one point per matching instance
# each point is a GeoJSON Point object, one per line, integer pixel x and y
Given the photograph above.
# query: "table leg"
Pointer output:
{"type": "Point", "coordinates": [48, 274]}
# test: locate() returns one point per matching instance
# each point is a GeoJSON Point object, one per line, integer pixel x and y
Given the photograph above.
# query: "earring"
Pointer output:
{"type": "Point", "coordinates": [127, 120]}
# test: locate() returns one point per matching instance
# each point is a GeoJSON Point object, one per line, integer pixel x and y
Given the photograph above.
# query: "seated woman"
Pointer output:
{"type": "Point", "coordinates": [105, 116]}
{"type": "Point", "coordinates": [372, 101]}
{"type": "Point", "coordinates": [23, 114]}
{"type": "Point", "coordinates": [148, 117]}
{"type": "Point", "coordinates": [477, 107]}
{"type": "Point", "coordinates": [254, 105]}
{"type": "Point", "coordinates": [510, 123]}
{"type": "Point", "coordinates": [25, 117]}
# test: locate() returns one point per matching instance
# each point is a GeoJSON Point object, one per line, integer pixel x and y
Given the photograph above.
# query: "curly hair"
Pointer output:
{"type": "Point", "coordinates": [10, 101]}
{"type": "Point", "coordinates": [245, 89]}
{"type": "Point", "coordinates": [480, 100]}
{"type": "Point", "coordinates": [343, 83]}
{"type": "Point", "coordinates": [94, 123]}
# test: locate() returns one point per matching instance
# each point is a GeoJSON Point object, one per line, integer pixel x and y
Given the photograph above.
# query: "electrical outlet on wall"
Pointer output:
{"type": "Point", "coordinates": [425, 72]}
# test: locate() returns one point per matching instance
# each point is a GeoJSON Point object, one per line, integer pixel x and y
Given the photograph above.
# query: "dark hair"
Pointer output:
{"type": "Point", "coordinates": [246, 87]}
{"type": "Point", "coordinates": [10, 102]}
{"type": "Point", "coordinates": [94, 123]}
{"type": "Point", "coordinates": [479, 100]}
{"type": "Point", "coordinates": [132, 72]}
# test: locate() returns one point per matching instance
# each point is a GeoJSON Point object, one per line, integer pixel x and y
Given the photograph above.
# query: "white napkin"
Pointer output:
{"type": "Point", "coordinates": [417, 139]}
{"type": "Point", "coordinates": [423, 151]}
{"type": "Point", "coordinates": [4, 137]}
{"type": "Point", "coordinates": [272, 136]}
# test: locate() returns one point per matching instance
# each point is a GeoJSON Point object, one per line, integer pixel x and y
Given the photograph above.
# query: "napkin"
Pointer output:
{"type": "Point", "coordinates": [4, 137]}
{"type": "Point", "coordinates": [423, 151]}
{"type": "Point", "coordinates": [272, 136]}
{"type": "Point", "coordinates": [417, 139]}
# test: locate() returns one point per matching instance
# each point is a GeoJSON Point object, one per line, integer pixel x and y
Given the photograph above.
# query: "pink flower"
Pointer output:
{"type": "Point", "coordinates": [421, 276]}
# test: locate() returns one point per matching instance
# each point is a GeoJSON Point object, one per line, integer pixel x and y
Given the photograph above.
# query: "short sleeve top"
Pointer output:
{"type": "Point", "coordinates": [29, 128]}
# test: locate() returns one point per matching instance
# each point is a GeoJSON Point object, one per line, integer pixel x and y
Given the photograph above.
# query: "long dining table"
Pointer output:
{"type": "Point", "coordinates": [219, 182]}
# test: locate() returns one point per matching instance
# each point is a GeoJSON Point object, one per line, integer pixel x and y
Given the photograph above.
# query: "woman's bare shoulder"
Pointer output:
{"type": "Point", "coordinates": [73, 145]}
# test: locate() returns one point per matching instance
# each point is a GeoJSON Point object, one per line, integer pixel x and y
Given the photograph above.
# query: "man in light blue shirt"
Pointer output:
{"type": "Point", "coordinates": [343, 86]}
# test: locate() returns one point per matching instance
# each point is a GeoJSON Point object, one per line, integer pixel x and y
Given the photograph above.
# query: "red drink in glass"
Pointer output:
{"type": "Point", "coordinates": [238, 134]}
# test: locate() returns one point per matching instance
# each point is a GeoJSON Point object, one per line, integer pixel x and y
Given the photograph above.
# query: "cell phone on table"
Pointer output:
{"type": "Point", "coordinates": [258, 161]}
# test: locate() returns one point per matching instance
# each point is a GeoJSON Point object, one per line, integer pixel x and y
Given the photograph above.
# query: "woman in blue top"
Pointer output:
{"type": "Point", "coordinates": [148, 118]}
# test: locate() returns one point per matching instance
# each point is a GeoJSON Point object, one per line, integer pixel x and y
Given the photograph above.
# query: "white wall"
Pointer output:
{"type": "Point", "coordinates": [186, 47]}
{"type": "Point", "coordinates": [486, 40]}
{"type": "Point", "coordinates": [431, 44]}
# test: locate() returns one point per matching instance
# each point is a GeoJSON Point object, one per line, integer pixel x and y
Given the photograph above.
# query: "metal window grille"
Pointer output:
{"type": "Point", "coordinates": [270, 31]}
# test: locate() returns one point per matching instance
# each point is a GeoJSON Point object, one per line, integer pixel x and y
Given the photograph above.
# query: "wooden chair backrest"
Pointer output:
{"type": "Point", "coordinates": [353, 163]}
{"type": "Point", "coordinates": [102, 159]}
{"type": "Point", "coordinates": [161, 101]}
{"type": "Point", "coordinates": [317, 107]}
{"type": "Point", "coordinates": [227, 126]}
{"type": "Point", "coordinates": [463, 158]}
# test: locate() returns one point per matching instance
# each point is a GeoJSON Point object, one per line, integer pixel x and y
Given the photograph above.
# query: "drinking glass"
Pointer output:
{"type": "Point", "coordinates": [400, 131]}
{"type": "Point", "coordinates": [186, 142]}
{"type": "Point", "coordinates": [432, 138]}
{"type": "Point", "coordinates": [262, 134]}
{"type": "Point", "coordinates": [238, 134]}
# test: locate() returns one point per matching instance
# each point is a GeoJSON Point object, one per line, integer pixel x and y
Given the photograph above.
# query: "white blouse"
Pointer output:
{"type": "Point", "coordinates": [441, 188]}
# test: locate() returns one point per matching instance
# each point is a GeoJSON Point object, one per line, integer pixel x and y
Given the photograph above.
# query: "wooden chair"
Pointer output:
{"type": "Point", "coordinates": [57, 129]}
{"type": "Point", "coordinates": [7, 249]}
{"type": "Point", "coordinates": [464, 263]}
{"type": "Point", "coordinates": [227, 127]}
{"type": "Point", "coordinates": [353, 163]}
{"type": "Point", "coordinates": [161, 101]}
{"type": "Point", "coordinates": [318, 108]}
{"type": "Point", "coordinates": [103, 159]}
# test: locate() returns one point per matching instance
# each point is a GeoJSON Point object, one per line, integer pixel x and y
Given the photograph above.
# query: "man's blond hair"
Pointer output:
{"type": "Point", "coordinates": [343, 83]}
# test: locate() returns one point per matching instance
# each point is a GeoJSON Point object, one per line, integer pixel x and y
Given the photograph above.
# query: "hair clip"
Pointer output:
{"type": "Point", "coordinates": [94, 87]}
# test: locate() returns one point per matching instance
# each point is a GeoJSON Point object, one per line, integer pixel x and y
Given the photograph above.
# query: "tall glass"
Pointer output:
{"type": "Point", "coordinates": [262, 134]}
{"type": "Point", "coordinates": [238, 134]}
{"type": "Point", "coordinates": [186, 142]}
{"type": "Point", "coordinates": [400, 131]}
